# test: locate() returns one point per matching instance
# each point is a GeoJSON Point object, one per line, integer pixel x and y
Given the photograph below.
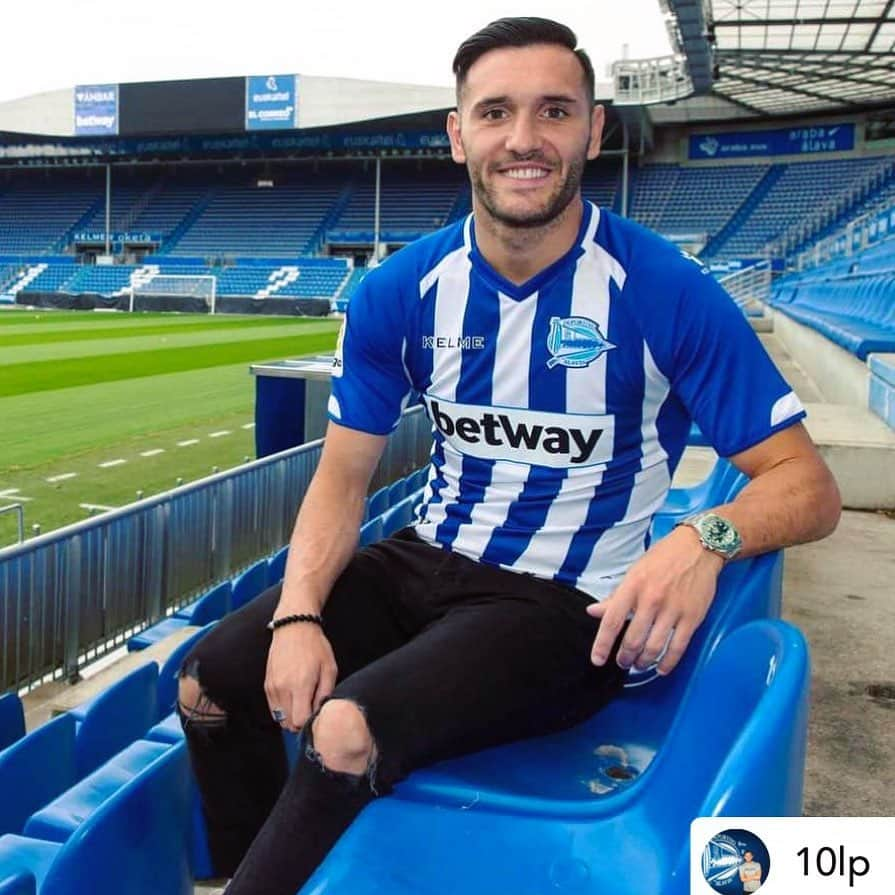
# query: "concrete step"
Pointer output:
{"type": "Point", "coordinates": [860, 450]}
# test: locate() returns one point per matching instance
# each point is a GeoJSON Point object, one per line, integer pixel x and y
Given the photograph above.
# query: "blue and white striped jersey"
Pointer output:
{"type": "Point", "coordinates": [560, 407]}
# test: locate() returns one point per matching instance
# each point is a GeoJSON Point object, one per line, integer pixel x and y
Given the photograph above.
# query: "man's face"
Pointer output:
{"type": "Point", "coordinates": [748, 856]}
{"type": "Point", "coordinates": [525, 129]}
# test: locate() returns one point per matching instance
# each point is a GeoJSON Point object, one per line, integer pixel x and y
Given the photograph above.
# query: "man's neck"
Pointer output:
{"type": "Point", "coordinates": [519, 253]}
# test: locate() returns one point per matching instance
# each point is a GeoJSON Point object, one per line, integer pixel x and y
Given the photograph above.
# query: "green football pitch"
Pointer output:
{"type": "Point", "coordinates": [96, 407]}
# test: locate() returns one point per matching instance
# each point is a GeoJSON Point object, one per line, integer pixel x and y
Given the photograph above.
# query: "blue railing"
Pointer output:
{"type": "Point", "coordinates": [72, 595]}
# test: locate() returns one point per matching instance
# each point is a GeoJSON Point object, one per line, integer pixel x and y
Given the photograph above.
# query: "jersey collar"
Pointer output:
{"type": "Point", "coordinates": [535, 283]}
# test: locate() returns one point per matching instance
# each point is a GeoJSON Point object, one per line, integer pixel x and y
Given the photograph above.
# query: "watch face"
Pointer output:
{"type": "Point", "coordinates": [719, 534]}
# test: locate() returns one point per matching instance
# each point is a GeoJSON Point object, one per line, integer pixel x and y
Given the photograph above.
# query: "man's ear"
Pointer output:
{"type": "Point", "coordinates": [597, 120]}
{"type": "Point", "coordinates": [453, 131]}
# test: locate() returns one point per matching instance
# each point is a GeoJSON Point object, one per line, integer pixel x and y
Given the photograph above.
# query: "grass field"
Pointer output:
{"type": "Point", "coordinates": [96, 407]}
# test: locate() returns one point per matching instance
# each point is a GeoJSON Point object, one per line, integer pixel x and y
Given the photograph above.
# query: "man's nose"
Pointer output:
{"type": "Point", "coordinates": [524, 136]}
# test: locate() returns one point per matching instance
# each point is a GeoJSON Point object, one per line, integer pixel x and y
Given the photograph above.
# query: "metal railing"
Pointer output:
{"type": "Point", "coordinates": [70, 596]}
{"type": "Point", "coordinates": [749, 284]}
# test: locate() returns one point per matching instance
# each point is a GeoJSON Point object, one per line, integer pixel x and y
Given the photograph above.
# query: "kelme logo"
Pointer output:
{"type": "Point", "coordinates": [575, 342]}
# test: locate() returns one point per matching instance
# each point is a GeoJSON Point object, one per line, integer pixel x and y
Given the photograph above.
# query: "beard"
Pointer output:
{"type": "Point", "coordinates": [552, 207]}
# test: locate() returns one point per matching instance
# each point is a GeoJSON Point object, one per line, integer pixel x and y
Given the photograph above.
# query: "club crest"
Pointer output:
{"type": "Point", "coordinates": [575, 342]}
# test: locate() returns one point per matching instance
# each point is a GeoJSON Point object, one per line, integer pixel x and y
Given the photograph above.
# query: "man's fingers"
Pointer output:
{"type": "Point", "coordinates": [324, 685]}
{"type": "Point", "coordinates": [636, 636]}
{"type": "Point", "coordinates": [615, 612]}
{"type": "Point", "coordinates": [657, 642]}
{"type": "Point", "coordinates": [680, 639]}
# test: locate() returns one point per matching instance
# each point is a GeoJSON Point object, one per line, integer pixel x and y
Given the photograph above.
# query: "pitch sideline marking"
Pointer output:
{"type": "Point", "coordinates": [248, 426]}
{"type": "Point", "coordinates": [96, 506]}
{"type": "Point", "coordinates": [153, 452]}
{"type": "Point", "coordinates": [13, 494]}
{"type": "Point", "coordinates": [61, 478]}
{"type": "Point", "coordinates": [110, 463]}
{"type": "Point", "coordinates": [219, 434]}
{"type": "Point", "coordinates": [188, 442]}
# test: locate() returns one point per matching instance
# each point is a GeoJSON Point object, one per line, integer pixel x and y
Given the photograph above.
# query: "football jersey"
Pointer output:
{"type": "Point", "coordinates": [560, 407]}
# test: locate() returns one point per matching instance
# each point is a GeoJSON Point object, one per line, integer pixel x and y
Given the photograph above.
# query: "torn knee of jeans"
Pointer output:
{"type": "Point", "coordinates": [368, 775]}
{"type": "Point", "coordinates": [201, 709]}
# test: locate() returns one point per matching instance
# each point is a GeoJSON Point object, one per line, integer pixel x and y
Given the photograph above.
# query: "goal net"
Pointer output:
{"type": "Point", "coordinates": [173, 292]}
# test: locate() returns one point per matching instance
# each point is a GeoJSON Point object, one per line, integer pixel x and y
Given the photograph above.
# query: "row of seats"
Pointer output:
{"type": "Point", "coordinates": [855, 312]}
{"type": "Point", "coordinates": [635, 773]}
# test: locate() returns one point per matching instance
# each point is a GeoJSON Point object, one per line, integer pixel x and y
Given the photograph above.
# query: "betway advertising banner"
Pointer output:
{"type": "Point", "coordinates": [96, 110]}
{"type": "Point", "coordinates": [789, 141]}
{"type": "Point", "coordinates": [271, 102]}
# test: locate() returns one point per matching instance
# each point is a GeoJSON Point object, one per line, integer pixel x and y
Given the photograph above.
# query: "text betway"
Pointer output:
{"type": "Point", "coordinates": [524, 436]}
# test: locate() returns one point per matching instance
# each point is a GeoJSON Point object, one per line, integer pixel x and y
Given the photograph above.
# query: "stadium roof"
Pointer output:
{"type": "Point", "coordinates": [784, 57]}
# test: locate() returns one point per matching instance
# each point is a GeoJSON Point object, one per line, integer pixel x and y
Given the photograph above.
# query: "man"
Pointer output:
{"type": "Point", "coordinates": [561, 353]}
{"type": "Point", "coordinates": [750, 873]}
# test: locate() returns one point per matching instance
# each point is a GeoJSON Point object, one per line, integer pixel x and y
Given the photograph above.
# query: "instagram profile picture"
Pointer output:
{"type": "Point", "coordinates": [736, 861]}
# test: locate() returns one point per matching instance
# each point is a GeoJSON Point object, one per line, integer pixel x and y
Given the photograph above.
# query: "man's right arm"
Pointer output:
{"type": "Point", "coordinates": [301, 669]}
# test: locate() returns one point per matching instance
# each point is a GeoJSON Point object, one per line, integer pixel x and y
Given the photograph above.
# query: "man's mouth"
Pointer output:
{"type": "Point", "coordinates": [526, 172]}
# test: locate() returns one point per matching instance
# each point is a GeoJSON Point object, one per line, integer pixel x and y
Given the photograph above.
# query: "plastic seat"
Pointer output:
{"type": "Point", "coordinates": [35, 770]}
{"type": "Point", "coordinates": [59, 818]}
{"type": "Point", "coordinates": [370, 532]}
{"type": "Point", "coordinates": [735, 746]}
{"type": "Point", "coordinates": [398, 516]}
{"type": "Point", "coordinates": [377, 503]}
{"type": "Point", "coordinates": [210, 607]}
{"type": "Point", "coordinates": [397, 491]}
{"type": "Point", "coordinates": [17, 883]}
{"type": "Point", "coordinates": [276, 566]}
{"type": "Point", "coordinates": [119, 716]}
{"type": "Point", "coordinates": [157, 632]}
{"type": "Point", "coordinates": [12, 719]}
{"type": "Point", "coordinates": [248, 584]}
{"type": "Point", "coordinates": [134, 844]}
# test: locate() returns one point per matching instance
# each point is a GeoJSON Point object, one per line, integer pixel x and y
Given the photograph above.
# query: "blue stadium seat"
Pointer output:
{"type": "Point", "coordinates": [248, 584]}
{"type": "Point", "coordinates": [210, 607]}
{"type": "Point", "coordinates": [136, 843]}
{"type": "Point", "coordinates": [17, 883]}
{"type": "Point", "coordinates": [397, 491]}
{"type": "Point", "coordinates": [35, 770]}
{"type": "Point", "coordinates": [575, 806]}
{"type": "Point", "coordinates": [370, 532]}
{"type": "Point", "coordinates": [377, 503]}
{"type": "Point", "coordinates": [121, 714]}
{"type": "Point", "coordinates": [157, 632]}
{"type": "Point", "coordinates": [61, 817]}
{"type": "Point", "coordinates": [12, 719]}
{"type": "Point", "coordinates": [276, 566]}
{"type": "Point", "coordinates": [399, 515]}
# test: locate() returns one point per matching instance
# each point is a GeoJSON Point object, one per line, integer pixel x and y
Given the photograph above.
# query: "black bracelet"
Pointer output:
{"type": "Point", "coordinates": [275, 623]}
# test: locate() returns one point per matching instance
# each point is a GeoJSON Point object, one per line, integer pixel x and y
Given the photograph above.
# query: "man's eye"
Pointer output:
{"type": "Point", "coordinates": [556, 112]}
{"type": "Point", "coordinates": [494, 114]}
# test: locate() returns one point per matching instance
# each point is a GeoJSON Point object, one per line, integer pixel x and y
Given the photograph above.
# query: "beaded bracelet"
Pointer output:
{"type": "Point", "coordinates": [275, 623]}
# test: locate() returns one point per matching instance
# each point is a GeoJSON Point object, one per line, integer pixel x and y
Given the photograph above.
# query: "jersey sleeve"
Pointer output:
{"type": "Point", "coordinates": [370, 386]}
{"type": "Point", "coordinates": [721, 371]}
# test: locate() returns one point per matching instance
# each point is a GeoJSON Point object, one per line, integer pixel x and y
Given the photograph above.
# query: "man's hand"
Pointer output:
{"type": "Point", "coordinates": [301, 672]}
{"type": "Point", "coordinates": [666, 594]}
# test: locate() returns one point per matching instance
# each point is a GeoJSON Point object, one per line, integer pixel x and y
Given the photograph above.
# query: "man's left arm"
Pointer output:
{"type": "Point", "coordinates": [791, 498]}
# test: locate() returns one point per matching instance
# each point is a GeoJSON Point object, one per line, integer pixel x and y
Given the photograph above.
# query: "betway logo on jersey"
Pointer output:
{"type": "Point", "coordinates": [559, 440]}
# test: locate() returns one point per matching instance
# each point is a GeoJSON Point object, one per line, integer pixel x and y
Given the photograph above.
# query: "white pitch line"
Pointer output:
{"type": "Point", "coordinates": [13, 494]}
{"type": "Point", "coordinates": [153, 452]}
{"type": "Point", "coordinates": [108, 463]}
{"type": "Point", "coordinates": [188, 442]}
{"type": "Point", "coordinates": [248, 426]}
{"type": "Point", "coordinates": [219, 434]}
{"type": "Point", "coordinates": [96, 506]}
{"type": "Point", "coordinates": [61, 478]}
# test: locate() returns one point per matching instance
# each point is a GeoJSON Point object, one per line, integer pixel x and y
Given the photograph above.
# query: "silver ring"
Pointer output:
{"type": "Point", "coordinates": [278, 715]}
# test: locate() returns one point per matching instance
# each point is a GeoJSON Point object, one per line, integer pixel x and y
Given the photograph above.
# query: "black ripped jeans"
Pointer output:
{"type": "Point", "coordinates": [443, 655]}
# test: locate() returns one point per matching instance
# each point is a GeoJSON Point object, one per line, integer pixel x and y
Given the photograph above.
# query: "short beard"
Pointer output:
{"type": "Point", "coordinates": [556, 205]}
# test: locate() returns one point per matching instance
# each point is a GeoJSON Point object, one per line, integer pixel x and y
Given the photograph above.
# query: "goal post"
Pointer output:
{"type": "Point", "coordinates": [171, 288]}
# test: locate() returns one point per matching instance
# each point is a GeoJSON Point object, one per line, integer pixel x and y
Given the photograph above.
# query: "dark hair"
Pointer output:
{"type": "Point", "coordinates": [521, 31]}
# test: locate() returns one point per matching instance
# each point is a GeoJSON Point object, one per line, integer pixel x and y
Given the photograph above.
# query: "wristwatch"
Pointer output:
{"type": "Point", "coordinates": [716, 534]}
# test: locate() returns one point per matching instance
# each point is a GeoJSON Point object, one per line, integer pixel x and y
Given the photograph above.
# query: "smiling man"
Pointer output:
{"type": "Point", "coordinates": [561, 353]}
